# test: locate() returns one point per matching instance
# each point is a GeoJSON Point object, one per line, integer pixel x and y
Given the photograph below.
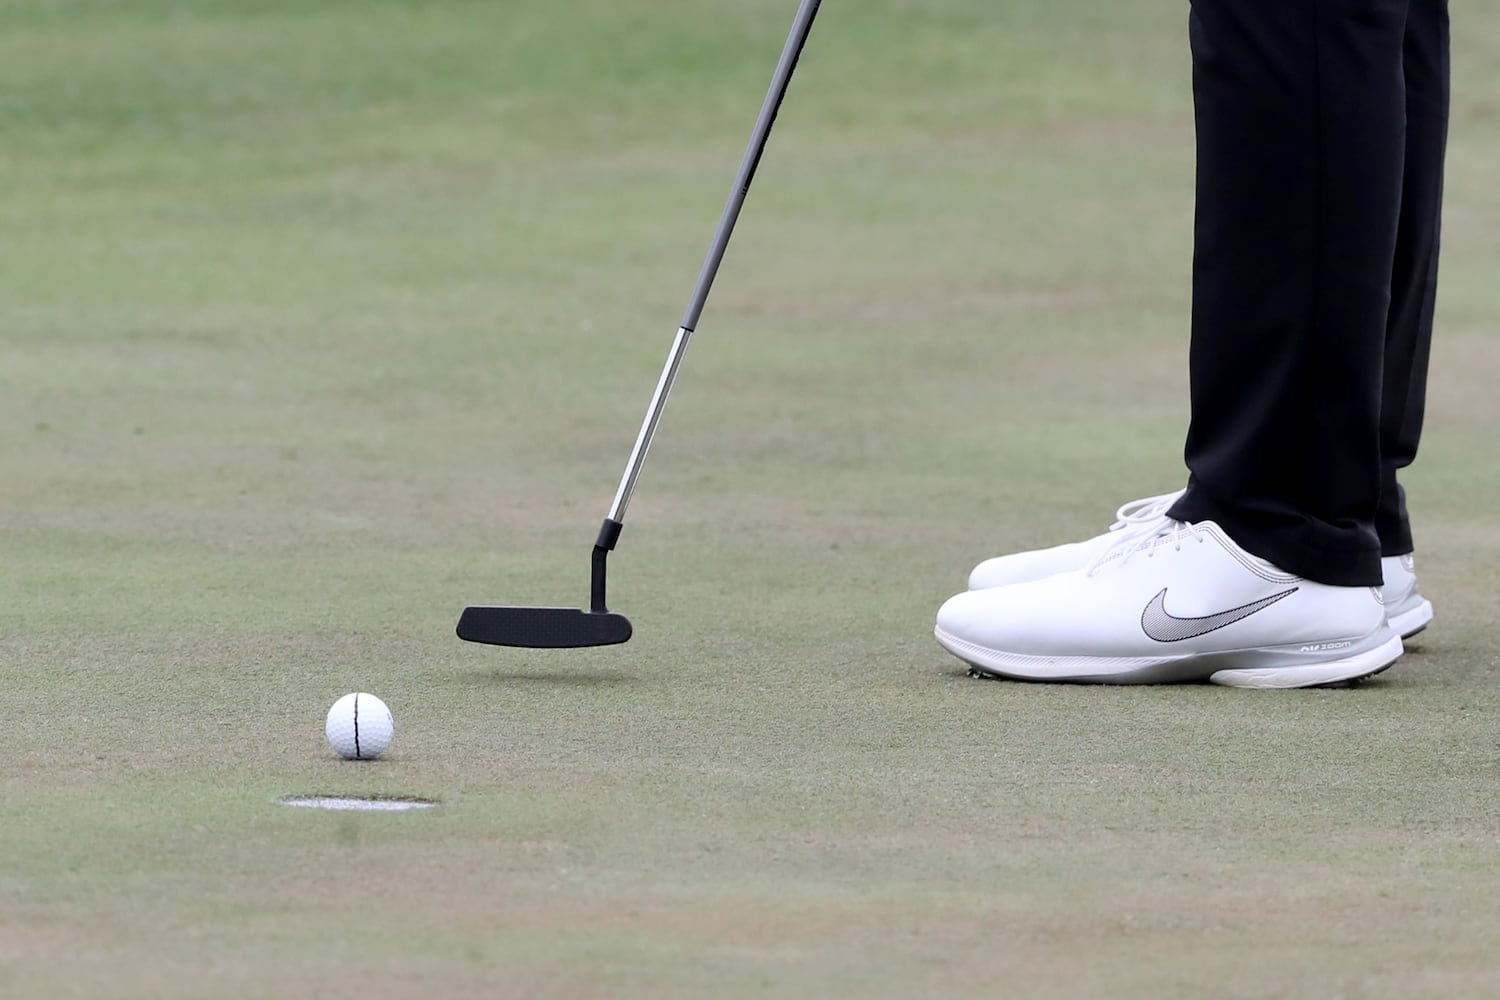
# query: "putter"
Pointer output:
{"type": "Point", "coordinates": [566, 628]}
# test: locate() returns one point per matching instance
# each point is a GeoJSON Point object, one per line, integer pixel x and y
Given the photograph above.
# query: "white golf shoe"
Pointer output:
{"type": "Point", "coordinates": [1408, 610]}
{"type": "Point", "coordinates": [1172, 602]}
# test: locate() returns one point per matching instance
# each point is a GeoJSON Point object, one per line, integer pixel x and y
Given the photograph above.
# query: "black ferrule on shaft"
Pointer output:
{"type": "Point", "coordinates": [609, 534]}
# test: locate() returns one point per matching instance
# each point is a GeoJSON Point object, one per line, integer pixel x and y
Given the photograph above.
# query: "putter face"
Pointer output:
{"type": "Point", "coordinates": [542, 628]}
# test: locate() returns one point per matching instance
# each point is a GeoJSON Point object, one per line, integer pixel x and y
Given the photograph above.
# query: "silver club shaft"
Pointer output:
{"type": "Point", "coordinates": [801, 25]}
{"type": "Point", "coordinates": [648, 428]}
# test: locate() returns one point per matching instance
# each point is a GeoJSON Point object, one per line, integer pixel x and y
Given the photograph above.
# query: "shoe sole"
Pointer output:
{"type": "Point", "coordinates": [1277, 668]}
{"type": "Point", "coordinates": [1413, 620]}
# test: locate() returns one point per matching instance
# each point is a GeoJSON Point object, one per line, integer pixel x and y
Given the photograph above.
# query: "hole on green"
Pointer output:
{"type": "Point", "coordinates": [367, 803]}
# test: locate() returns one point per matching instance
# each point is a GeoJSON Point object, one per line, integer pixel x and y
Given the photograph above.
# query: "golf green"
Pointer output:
{"type": "Point", "coordinates": [319, 322]}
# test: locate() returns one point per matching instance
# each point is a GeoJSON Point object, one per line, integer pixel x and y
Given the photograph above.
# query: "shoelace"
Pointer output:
{"type": "Point", "coordinates": [1143, 533]}
{"type": "Point", "coordinates": [1143, 510]}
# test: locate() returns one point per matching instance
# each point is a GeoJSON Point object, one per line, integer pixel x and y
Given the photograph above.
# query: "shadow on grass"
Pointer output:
{"type": "Point", "coordinates": [550, 678]}
{"type": "Point", "coordinates": [1374, 681]}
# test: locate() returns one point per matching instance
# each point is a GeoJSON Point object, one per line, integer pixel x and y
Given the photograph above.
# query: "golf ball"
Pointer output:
{"type": "Point", "coordinates": [359, 726]}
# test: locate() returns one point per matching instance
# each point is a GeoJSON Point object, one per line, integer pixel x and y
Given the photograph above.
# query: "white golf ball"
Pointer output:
{"type": "Point", "coordinates": [359, 726]}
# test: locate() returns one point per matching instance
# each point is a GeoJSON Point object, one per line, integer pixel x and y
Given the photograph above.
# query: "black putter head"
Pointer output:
{"type": "Point", "coordinates": [542, 628]}
{"type": "Point", "coordinates": [553, 628]}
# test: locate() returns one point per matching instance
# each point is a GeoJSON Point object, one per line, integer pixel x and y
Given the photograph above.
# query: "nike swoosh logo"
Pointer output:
{"type": "Point", "coordinates": [1163, 626]}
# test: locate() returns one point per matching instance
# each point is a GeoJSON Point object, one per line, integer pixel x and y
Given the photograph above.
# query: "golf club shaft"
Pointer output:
{"type": "Point", "coordinates": [801, 26]}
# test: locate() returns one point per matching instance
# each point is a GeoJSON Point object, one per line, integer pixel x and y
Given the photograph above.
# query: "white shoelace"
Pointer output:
{"type": "Point", "coordinates": [1140, 511]}
{"type": "Point", "coordinates": [1143, 533]}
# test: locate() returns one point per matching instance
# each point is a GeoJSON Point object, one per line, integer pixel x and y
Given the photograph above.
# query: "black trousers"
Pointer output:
{"type": "Point", "coordinates": [1321, 129]}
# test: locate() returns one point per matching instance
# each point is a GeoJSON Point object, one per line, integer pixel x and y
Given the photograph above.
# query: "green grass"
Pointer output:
{"type": "Point", "coordinates": [321, 321]}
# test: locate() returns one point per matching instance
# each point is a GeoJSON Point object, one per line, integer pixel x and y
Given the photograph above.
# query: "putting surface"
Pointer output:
{"type": "Point", "coordinates": [319, 323]}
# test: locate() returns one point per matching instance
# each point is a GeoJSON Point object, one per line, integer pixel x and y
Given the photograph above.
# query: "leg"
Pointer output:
{"type": "Point", "coordinates": [1414, 277]}
{"type": "Point", "coordinates": [1300, 109]}
{"type": "Point", "coordinates": [1301, 113]}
